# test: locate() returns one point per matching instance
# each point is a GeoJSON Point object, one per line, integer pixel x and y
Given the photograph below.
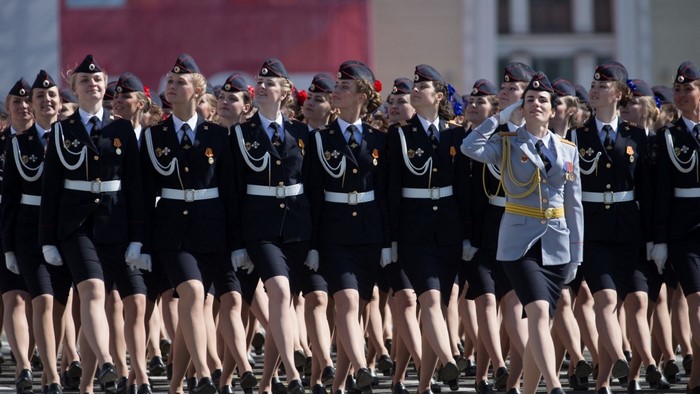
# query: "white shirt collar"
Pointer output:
{"type": "Point", "coordinates": [192, 122]}
{"type": "Point", "coordinates": [612, 124]}
{"type": "Point", "coordinates": [40, 131]}
{"type": "Point", "coordinates": [426, 123]}
{"type": "Point", "coordinates": [344, 125]}
{"type": "Point", "coordinates": [86, 116]}
{"type": "Point", "coordinates": [514, 127]}
{"type": "Point", "coordinates": [689, 123]}
{"type": "Point", "coordinates": [546, 140]}
{"type": "Point", "coordinates": [265, 122]}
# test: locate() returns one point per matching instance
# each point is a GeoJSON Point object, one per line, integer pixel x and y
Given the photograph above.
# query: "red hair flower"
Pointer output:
{"type": "Point", "coordinates": [301, 97]}
{"type": "Point", "coordinates": [251, 91]}
{"type": "Point", "coordinates": [378, 85]}
{"type": "Point", "coordinates": [147, 91]}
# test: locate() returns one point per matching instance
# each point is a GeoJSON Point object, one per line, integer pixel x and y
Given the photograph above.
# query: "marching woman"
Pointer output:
{"type": "Point", "coordinates": [92, 211]}
{"type": "Point", "coordinates": [540, 239]}
{"type": "Point", "coordinates": [273, 217]}
{"type": "Point", "coordinates": [234, 103]}
{"type": "Point", "coordinates": [676, 214]}
{"type": "Point", "coordinates": [15, 296]}
{"type": "Point", "coordinates": [350, 228]}
{"type": "Point", "coordinates": [399, 101]}
{"type": "Point", "coordinates": [617, 207]}
{"type": "Point", "coordinates": [48, 285]}
{"type": "Point", "coordinates": [424, 214]}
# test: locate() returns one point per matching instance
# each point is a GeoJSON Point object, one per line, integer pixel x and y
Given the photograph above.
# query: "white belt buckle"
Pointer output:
{"type": "Point", "coordinates": [96, 186]}
{"type": "Point", "coordinates": [608, 197]}
{"type": "Point", "coordinates": [434, 193]}
{"type": "Point", "coordinates": [353, 198]}
{"type": "Point", "coordinates": [189, 195]}
{"type": "Point", "coordinates": [280, 191]}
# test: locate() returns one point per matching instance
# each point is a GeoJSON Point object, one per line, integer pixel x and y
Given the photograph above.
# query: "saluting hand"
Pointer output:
{"type": "Point", "coordinates": [659, 253]}
{"type": "Point", "coordinates": [507, 112]}
{"type": "Point", "coordinates": [51, 255]}
{"type": "Point", "coordinates": [11, 262]}
{"type": "Point", "coordinates": [312, 260]}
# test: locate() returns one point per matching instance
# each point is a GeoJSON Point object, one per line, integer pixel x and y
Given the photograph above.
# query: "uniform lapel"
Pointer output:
{"type": "Point", "coordinates": [338, 142]}
{"type": "Point", "coordinates": [79, 131]}
{"type": "Point", "coordinates": [528, 148]}
{"type": "Point", "coordinates": [262, 137]}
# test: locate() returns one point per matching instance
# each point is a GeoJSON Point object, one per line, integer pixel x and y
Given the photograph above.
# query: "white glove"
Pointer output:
{"type": "Point", "coordinates": [312, 260]}
{"type": "Point", "coordinates": [238, 258]}
{"type": "Point", "coordinates": [659, 253]}
{"type": "Point", "coordinates": [394, 252]}
{"type": "Point", "coordinates": [11, 262]}
{"type": "Point", "coordinates": [468, 251]}
{"type": "Point", "coordinates": [51, 255]}
{"type": "Point", "coordinates": [144, 262]}
{"type": "Point", "coordinates": [505, 114]}
{"type": "Point", "coordinates": [248, 265]}
{"type": "Point", "coordinates": [386, 258]}
{"type": "Point", "coordinates": [650, 246]}
{"type": "Point", "coordinates": [133, 252]}
{"type": "Point", "coordinates": [571, 276]}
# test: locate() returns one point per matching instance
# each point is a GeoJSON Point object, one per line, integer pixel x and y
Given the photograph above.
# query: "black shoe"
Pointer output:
{"type": "Point", "coordinates": [156, 366]}
{"type": "Point", "coordinates": [688, 363]}
{"type": "Point", "coordinates": [75, 369]}
{"type": "Point", "coordinates": [435, 386]}
{"type": "Point", "coordinates": [634, 387]}
{"type": "Point", "coordinates": [427, 392]}
{"type": "Point", "coordinates": [204, 386]}
{"type": "Point", "coordinates": [604, 390]}
{"type": "Point", "coordinates": [513, 391]}
{"type": "Point", "coordinates": [470, 371]}
{"type": "Point", "coordinates": [500, 378]}
{"type": "Point", "coordinates": [216, 377]}
{"type": "Point", "coordinates": [248, 380]}
{"type": "Point", "coordinates": [24, 381]}
{"type": "Point", "coordinates": [351, 385]}
{"type": "Point", "coordinates": [662, 384]}
{"type": "Point", "coordinates": [318, 389]}
{"type": "Point", "coordinates": [620, 369]}
{"type": "Point", "coordinates": [399, 388]}
{"type": "Point", "coordinates": [54, 388]}
{"type": "Point", "coordinates": [623, 381]}
{"type": "Point", "coordinates": [307, 366]}
{"type": "Point", "coordinates": [107, 374]}
{"type": "Point", "coordinates": [68, 382]}
{"type": "Point", "coordinates": [449, 372]}
{"type": "Point", "coordinates": [628, 355]}
{"type": "Point", "coordinates": [671, 370]}
{"type": "Point", "coordinates": [227, 389]}
{"type": "Point", "coordinates": [278, 387]}
{"type": "Point", "coordinates": [583, 369]}
{"type": "Point", "coordinates": [191, 383]}
{"type": "Point", "coordinates": [461, 362]}
{"type": "Point", "coordinates": [258, 343]}
{"type": "Point", "coordinates": [558, 390]}
{"type": "Point", "coordinates": [144, 389]}
{"type": "Point", "coordinates": [388, 343]}
{"type": "Point", "coordinates": [37, 365]}
{"type": "Point", "coordinates": [295, 387]}
{"type": "Point", "coordinates": [484, 387]}
{"type": "Point", "coordinates": [454, 384]}
{"type": "Point", "coordinates": [132, 389]}
{"type": "Point", "coordinates": [385, 364]}
{"type": "Point", "coordinates": [363, 379]}
{"type": "Point", "coordinates": [653, 376]}
{"type": "Point", "coordinates": [165, 346]}
{"type": "Point", "coordinates": [578, 384]}
{"type": "Point", "coordinates": [299, 359]}
{"type": "Point", "coordinates": [328, 375]}
{"type": "Point", "coordinates": [169, 371]}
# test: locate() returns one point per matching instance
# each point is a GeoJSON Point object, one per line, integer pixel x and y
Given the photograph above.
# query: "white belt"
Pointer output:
{"type": "Point", "coordinates": [275, 191]}
{"type": "Point", "coordinates": [497, 201]}
{"type": "Point", "coordinates": [28, 199]}
{"type": "Point", "coordinates": [434, 193]}
{"type": "Point", "coordinates": [608, 197]}
{"type": "Point", "coordinates": [93, 186]}
{"type": "Point", "coordinates": [681, 192]}
{"type": "Point", "coordinates": [353, 198]}
{"type": "Point", "coordinates": [189, 195]}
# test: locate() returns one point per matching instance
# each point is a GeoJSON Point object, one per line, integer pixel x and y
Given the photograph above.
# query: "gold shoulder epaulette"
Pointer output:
{"type": "Point", "coordinates": [565, 141]}
{"type": "Point", "coordinates": [403, 123]}
{"type": "Point", "coordinates": [507, 133]}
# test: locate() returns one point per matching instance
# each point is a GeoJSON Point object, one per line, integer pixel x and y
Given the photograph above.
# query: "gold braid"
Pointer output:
{"type": "Point", "coordinates": [533, 182]}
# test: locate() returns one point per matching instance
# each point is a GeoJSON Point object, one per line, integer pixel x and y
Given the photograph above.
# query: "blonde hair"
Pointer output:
{"type": "Point", "coordinates": [571, 103]}
{"type": "Point", "coordinates": [287, 87]}
{"type": "Point", "coordinates": [651, 112]}
{"type": "Point", "coordinates": [374, 100]}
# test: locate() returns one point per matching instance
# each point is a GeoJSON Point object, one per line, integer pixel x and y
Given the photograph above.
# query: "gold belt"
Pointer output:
{"type": "Point", "coordinates": [533, 212]}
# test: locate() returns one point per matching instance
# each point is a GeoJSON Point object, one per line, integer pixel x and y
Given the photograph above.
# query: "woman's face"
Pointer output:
{"type": "Point", "coordinates": [126, 105]}
{"type": "Point", "coordinates": [603, 94]}
{"type": "Point", "coordinates": [19, 109]}
{"type": "Point", "coordinates": [424, 95]}
{"type": "Point", "coordinates": [346, 96]}
{"type": "Point", "coordinates": [90, 87]}
{"type": "Point", "coordinates": [478, 109]}
{"type": "Point", "coordinates": [231, 105]}
{"type": "Point", "coordinates": [317, 107]}
{"type": "Point", "coordinates": [46, 102]}
{"type": "Point", "coordinates": [633, 112]}
{"type": "Point", "coordinates": [204, 109]}
{"type": "Point", "coordinates": [179, 88]}
{"type": "Point", "coordinates": [268, 91]}
{"type": "Point", "coordinates": [399, 107]}
{"type": "Point", "coordinates": [537, 107]}
{"type": "Point", "coordinates": [686, 96]}
{"type": "Point", "coordinates": [510, 92]}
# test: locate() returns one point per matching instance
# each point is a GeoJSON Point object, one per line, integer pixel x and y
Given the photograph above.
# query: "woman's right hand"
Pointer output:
{"type": "Point", "coordinates": [507, 112]}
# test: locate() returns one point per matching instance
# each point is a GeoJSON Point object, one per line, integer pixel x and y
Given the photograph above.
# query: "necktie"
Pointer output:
{"type": "Point", "coordinates": [696, 131]}
{"type": "Point", "coordinates": [185, 142]}
{"type": "Point", "coordinates": [608, 142]}
{"type": "Point", "coordinates": [44, 139]}
{"type": "Point", "coordinates": [276, 139]}
{"type": "Point", "coordinates": [432, 134]}
{"type": "Point", "coordinates": [95, 132]}
{"type": "Point", "coordinates": [352, 141]}
{"type": "Point", "coordinates": [540, 146]}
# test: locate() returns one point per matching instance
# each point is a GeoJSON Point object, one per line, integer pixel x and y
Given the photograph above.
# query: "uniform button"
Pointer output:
{"type": "Point", "coordinates": [354, 214]}
{"type": "Point", "coordinates": [608, 165]}
{"type": "Point", "coordinates": [544, 200]}
{"type": "Point", "coordinates": [435, 208]}
{"type": "Point", "coordinates": [608, 186]}
{"type": "Point", "coordinates": [278, 162]}
{"type": "Point", "coordinates": [354, 170]}
{"type": "Point", "coordinates": [96, 157]}
{"type": "Point", "coordinates": [282, 205]}
{"type": "Point", "coordinates": [607, 207]}
{"type": "Point", "coordinates": [185, 212]}
{"type": "Point", "coordinates": [434, 169]}
{"type": "Point", "coordinates": [97, 201]}
{"type": "Point", "coordinates": [187, 169]}
{"type": "Point", "coordinates": [543, 221]}
{"type": "Point", "coordinates": [281, 183]}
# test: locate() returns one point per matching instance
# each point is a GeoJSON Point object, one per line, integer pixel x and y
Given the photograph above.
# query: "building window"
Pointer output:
{"type": "Point", "coordinates": [550, 16]}
{"type": "Point", "coordinates": [555, 67]}
{"type": "Point", "coordinates": [603, 16]}
{"type": "Point", "coordinates": [503, 17]}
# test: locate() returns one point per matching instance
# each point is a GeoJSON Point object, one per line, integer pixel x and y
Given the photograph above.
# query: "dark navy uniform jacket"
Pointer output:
{"type": "Point", "coordinates": [438, 221]}
{"type": "Point", "coordinates": [206, 225]}
{"type": "Point", "coordinates": [72, 155]}
{"type": "Point", "coordinates": [258, 162]}
{"type": "Point", "coordinates": [334, 168]}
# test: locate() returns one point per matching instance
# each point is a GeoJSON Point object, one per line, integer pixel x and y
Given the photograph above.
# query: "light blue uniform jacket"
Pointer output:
{"type": "Point", "coordinates": [562, 238]}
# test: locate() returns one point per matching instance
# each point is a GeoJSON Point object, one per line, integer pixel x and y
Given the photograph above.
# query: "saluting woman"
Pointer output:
{"type": "Point", "coordinates": [92, 212]}
{"type": "Point", "coordinates": [540, 238]}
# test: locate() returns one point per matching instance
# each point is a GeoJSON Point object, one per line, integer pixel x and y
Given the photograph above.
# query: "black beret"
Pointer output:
{"type": "Point", "coordinates": [640, 88]}
{"type": "Point", "coordinates": [235, 83]}
{"type": "Point", "coordinates": [89, 65]}
{"type": "Point", "coordinates": [129, 82]}
{"type": "Point", "coordinates": [322, 83]}
{"type": "Point", "coordinates": [20, 88]}
{"type": "Point", "coordinates": [517, 72]}
{"type": "Point", "coordinates": [43, 81]}
{"type": "Point", "coordinates": [663, 93]}
{"type": "Point", "coordinates": [483, 87]}
{"type": "Point", "coordinates": [273, 67]}
{"type": "Point", "coordinates": [611, 71]}
{"type": "Point", "coordinates": [687, 72]}
{"type": "Point", "coordinates": [185, 64]}
{"type": "Point", "coordinates": [563, 87]}
{"type": "Point", "coordinates": [402, 86]}
{"type": "Point", "coordinates": [67, 96]}
{"type": "Point", "coordinates": [425, 72]}
{"type": "Point", "coordinates": [111, 89]}
{"type": "Point", "coordinates": [540, 83]}
{"type": "Point", "coordinates": [581, 93]}
{"type": "Point", "coordinates": [355, 69]}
